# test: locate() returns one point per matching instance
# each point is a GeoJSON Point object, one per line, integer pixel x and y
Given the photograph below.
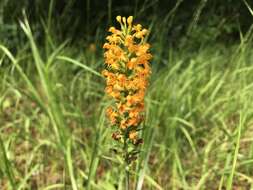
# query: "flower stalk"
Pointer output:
{"type": "Point", "coordinates": [127, 71]}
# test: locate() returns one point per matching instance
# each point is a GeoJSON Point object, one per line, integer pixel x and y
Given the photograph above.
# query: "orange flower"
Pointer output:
{"type": "Point", "coordinates": [112, 115]}
{"type": "Point", "coordinates": [127, 72]}
{"type": "Point", "coordinates": [134, 121]}
{"type": "Point", "coordinates": [132, 63]}
{"type": "Point", "coordinates": [133, 135]}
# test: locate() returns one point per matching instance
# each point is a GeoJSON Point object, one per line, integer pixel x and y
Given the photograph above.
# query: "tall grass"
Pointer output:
{"type": "Point", "coordinates": [198, 126]}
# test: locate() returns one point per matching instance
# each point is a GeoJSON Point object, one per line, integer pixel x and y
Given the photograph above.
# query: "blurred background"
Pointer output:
{"type": "Point", "coordinates": [198, 127]}
{"type": "Point", "coordinates": [200, 21]}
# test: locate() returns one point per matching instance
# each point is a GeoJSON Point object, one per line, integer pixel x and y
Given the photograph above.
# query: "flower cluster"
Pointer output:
{"type": "Point", "coordinates": [126, 71]}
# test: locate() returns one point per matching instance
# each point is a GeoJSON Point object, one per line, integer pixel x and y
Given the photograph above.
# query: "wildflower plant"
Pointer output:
{"type": "Point", "coordinates": [127, 71]}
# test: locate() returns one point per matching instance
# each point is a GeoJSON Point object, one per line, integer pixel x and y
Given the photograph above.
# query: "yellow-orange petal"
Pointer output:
{"type": "Point", "coordinates": [112, 29]}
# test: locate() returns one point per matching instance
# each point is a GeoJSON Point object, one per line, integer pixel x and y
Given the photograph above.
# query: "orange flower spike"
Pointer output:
{"type": "Point", "coordinates": [127, 72]}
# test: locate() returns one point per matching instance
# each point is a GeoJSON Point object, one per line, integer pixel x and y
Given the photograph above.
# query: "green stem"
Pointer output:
{"type": "Point", "coordinates": [6, 163]}
{"type": "Point", "coordinates": [126, 165]}
{"type": "Point", "coordinates": [127, 178]}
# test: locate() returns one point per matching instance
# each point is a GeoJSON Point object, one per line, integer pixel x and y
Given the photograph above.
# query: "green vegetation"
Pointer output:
{"type": "Point", "coordinates": [53, 130]}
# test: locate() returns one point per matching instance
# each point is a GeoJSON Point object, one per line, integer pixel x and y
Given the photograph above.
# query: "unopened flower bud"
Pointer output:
{"type": "Point", "coordinates": [130, 20]}
{"type": "Point", "coordinates": [118, 18]}
{"type": "Point", "coordinates": [124, 20]}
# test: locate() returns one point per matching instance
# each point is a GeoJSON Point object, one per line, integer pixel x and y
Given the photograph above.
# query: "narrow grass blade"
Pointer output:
{"type": "Point", "coordinates": [235, 156]}
{"type": "Point", "coordinates": [31, 87]}
{"type": "Point", "coordinates": [64, 58]}
{"type": "Point", "coordinates": [24, 180]}
{"type": "Point", "coordinates": [54, 109]}
{"type": "Point", "coordinates": [95, 150]}
{"type": "Point", "coordinates": [6, 164]}
{"type": "Point", "coordinates": [70, 167]}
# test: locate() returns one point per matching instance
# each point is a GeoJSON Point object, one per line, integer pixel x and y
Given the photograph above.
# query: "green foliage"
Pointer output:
{"type": "Point", "coordinates": [198, 128]}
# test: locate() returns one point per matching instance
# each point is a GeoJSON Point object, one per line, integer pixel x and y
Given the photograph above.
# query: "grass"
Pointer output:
{"type": "Point", "coordinates": [197, 131]}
